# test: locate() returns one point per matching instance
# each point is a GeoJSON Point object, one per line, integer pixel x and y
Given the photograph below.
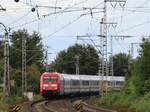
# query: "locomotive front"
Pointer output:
{"type": "Point", "coordinates": [49, 84]}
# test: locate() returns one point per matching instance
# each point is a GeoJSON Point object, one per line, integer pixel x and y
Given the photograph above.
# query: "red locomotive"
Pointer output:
{"type": "Point", "coordinates": [49, 84]}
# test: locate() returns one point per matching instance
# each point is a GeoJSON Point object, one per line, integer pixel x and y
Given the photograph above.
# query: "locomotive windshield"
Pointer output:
{"type": "Point", "coordinates": [50, 79]}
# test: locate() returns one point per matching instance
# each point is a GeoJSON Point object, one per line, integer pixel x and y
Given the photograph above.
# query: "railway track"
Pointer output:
{"type": "Point", "coordinates": [81, 106]}
{"type": "Point", "coordinates": [41, 106]}
{"type": "Point", "coordinates": [77, 104]}
{"type": "Point", "coordinates": [52, 105]}
{"type": "Point", "coordinates": [89, 108]}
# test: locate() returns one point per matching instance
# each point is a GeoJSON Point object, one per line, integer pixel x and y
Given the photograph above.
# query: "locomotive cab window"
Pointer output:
{"type": "Point", "coordinates": [50, 79]}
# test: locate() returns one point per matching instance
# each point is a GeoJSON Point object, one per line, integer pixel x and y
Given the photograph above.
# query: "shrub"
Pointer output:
{"type": "Point", "coordinates": [143, 104]}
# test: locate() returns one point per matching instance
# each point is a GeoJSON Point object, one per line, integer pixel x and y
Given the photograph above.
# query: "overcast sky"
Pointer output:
{"type": "Point", "coordinates": [58, 29]}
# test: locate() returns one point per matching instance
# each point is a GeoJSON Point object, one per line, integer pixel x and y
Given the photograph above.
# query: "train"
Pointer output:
{"type": "Point", "coordinates": [58, 84]}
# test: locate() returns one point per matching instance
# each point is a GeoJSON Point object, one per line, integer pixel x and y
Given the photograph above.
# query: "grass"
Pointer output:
{"type": "Point", "coordinates": [124, 102]}
{"type": "Point", "coordinates": [6, 101]}
{"type": "Point", "coordinates": [143, 103]}
{"type": "Point", "coordinates": [37, 97]}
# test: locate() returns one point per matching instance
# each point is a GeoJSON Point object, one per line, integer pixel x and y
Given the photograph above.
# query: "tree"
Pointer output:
{"type": "Point", "coordinates": [34, 48]}
{"type": "Point", "coordinates": [120, 64]}
{"type": "Point", "coordinates": [138, 80]}
{"type": "Point", "coordinates": [35, 56]}
{"type": "Point", "coordinates": [65, 61]}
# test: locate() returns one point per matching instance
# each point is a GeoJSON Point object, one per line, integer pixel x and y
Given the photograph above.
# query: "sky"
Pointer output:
{"type": "Point", "coordinates": [61, 21]}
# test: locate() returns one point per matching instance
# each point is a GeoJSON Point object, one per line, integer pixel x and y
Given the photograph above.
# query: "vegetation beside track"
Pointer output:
{"type": "Point", "coordinates": [37, 97]}
{"type": "Point", "coordinates": [135, 97]}
{"type": "Point", "coordinates": [6, 102]}
{"type": "Point", "coordinates": [123, 102]}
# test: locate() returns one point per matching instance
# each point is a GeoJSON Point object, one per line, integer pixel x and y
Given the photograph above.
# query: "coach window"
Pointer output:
{"type": "Point", "coordinates": [75, 82]}
{"type": "Point", "coordinates": [66, 82]}
{"type": "Point", "coordinates": [119, 83]}
{"type": "Point", "coordinates": [85, 82]}
{"type": "Point", "coordinates": [95, 83]}
{"type": "Point", "coordinates": [109, 83]}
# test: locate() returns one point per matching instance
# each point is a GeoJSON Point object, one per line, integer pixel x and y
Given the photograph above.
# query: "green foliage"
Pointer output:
{"type": "Point", "coordinates": [116, 99]}
{"type": "Point", "coordinates": [66, 60]}
{"type": "Point", "coordinates": [37, 97]}
{"type": "Point", "coordinates": [143, 104]}
{"type": "Point", "coordinates": [33, 78]}
{"type": "Point", "coordinates": [34, 48]}
{"type": "Point", "coordinates": [5, 102]}
{"type": "Point", "coordinates": [136, 95]}
{"type": "Point", "coordinates": [132, 103]}
{"type": "Point", "coordinates": [34, 59]}
{"type": "Point", "coordinates": [120, 63]}
{"type": "Point", "coordinates": [138, 79]}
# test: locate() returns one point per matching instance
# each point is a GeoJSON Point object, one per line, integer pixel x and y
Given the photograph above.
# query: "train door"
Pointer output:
{"type": "Point", "coordinates": [67, 84]}
{"type": "Point", "coordinates": [61, 86]}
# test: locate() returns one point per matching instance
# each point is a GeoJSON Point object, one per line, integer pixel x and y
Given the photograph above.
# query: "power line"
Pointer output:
{"type": "Point", "coordinates": [72, 6]}
{"type": "Point", "coordinates": [63, 10]}
{"type": "Point", "coordinates": [22, 17]}
{"type": "Point", "coordinates": [67, 11]}
{"type": "Point", "coordinates": [63, 27]}
{"type": "Point", "coordinates": [95, 45]}
{"type": "Point", "coordinates": [134, 26]}
{"type": "Point", "coordinates": [26, 23]}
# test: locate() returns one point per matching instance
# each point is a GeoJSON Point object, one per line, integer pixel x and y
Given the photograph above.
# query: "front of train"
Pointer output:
{"type": "Point", "coordinates": [49, 84]}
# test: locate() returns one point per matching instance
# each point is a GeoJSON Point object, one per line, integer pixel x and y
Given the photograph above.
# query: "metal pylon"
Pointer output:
{"type": "Point", "coordinates": [6, 65]}
{"type": "Point", "coordinates": [24, 74]}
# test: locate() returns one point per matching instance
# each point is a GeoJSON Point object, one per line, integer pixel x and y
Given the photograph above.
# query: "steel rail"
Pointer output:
{"type": "Point", "coordinates": [81, 105]}
{"type": "Point", "coordinates": [89, 108]}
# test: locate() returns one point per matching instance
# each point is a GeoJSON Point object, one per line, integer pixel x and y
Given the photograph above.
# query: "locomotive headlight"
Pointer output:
{"type": "Point", "coordinates": [53, 85]}
{"type": "Point", "coordinates": [45, 85]}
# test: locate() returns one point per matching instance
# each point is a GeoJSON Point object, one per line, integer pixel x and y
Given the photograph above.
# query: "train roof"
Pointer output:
{"type": "Point", "coordinates": [85, 77]}
{"type": "Point", "coordinates": [92, 77]}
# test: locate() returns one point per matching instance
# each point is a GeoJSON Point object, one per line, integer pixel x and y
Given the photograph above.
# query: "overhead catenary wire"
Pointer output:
{"type": "Point", "coordinates": [63, 27]}
{"type": "Point", "coordinates": [29, 22]}
{"type": "Point", "coordinates": [67, 11]}
{"type": "Point", "coordinates": [37, 19]}
{"type": "Point", "coordinates": [72, 6]}
{"type": "Point", "coordinates": [20, 18]}
{"type": "Point", "coordinates": [43, 6]}
{"type": "Point", "coordinates": [95, 45]}
{"type": "Point", "coordinates": [134, 26]}
{"type": "Point", "coordinates": [58, 1]}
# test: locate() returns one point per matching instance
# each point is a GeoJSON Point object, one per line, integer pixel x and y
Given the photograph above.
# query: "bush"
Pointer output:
{"type": "Point", "coordinates": [143, 104]}
{"type": "Point", "coordinates": [121, 100]}
{"type": "Point", "coordinates": [37, 97]}
{"type": "Point", "coordinates": [6, 101]}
